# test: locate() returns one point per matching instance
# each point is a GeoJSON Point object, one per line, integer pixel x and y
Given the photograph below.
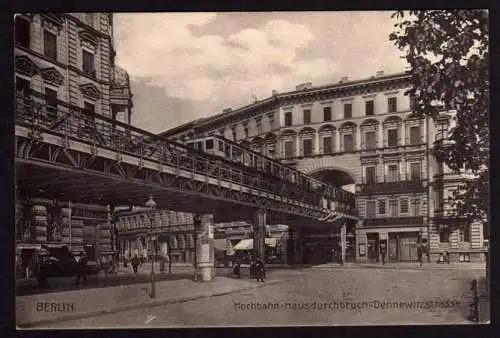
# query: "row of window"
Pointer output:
{"type": "Point", "coordinates": [393, 173]}
{"type": "Point", "coordinates": [463, 234]}
{"type": "Point", "coordinates": [23, 36]}
{"type": "Point", "coordinates": [327, 111]}
{"type": "Point", "coordinates": [51, 100]}
{"type": "Point", "coordinates": [348, 142]}
{"type": "Point", "coordinates": [393, 207]}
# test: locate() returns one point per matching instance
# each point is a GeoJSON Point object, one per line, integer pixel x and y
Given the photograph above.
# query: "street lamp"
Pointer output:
{"type": "Point", "coordinates": [151, 205]}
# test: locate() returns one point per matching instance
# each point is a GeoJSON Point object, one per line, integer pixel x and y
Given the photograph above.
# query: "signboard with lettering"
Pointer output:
{"type": "Point", "coordinates": [211, 231]}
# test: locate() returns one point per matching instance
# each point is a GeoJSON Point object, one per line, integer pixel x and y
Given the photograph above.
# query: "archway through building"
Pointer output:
{"type": "Point", "coordinates": [325, 245]}
{"type": "Point", "coordinates": [336, 177]}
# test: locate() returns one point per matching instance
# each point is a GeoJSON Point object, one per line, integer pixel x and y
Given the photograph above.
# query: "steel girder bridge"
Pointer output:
{"type": "Point", "coordinates": [66, 153]}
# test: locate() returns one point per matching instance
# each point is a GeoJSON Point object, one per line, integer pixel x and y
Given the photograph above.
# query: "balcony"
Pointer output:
{"type": "Point", "coordinates": [391, 221]}
{"type": "Point", "coordinates": [393, 185]}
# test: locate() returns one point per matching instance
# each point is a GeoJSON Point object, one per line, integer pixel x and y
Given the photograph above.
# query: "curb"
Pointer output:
{"type": "Point", "coordinates": [381, 267]}
{"type": "Point", "coordinates": [152, 303]}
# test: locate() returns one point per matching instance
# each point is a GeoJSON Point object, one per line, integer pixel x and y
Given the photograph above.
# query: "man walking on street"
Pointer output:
{"type": "Point", "coordinates": [81, 268]}
{"type": "Point", "coordinates": [260, 270]}
{"type": "Point", "coordinates": [420, 253]}
{"type": "Point", "coordinates": [135, 263]}
{"type": "Point", "coordinates": [383, 252]}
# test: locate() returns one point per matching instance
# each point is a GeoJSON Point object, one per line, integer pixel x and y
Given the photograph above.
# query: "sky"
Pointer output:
{"type": "Point", "coordinates": [185, 66]}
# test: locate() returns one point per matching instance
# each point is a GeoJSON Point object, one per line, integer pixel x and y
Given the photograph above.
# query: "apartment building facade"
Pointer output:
{"type": "Point", "coordinates": [361, 135]}
{"type": "Point", "coordinates": [64, 64]}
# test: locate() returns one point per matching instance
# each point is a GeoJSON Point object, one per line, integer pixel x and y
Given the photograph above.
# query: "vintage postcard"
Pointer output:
{"type": "Point", "coordinates": [251, 169]}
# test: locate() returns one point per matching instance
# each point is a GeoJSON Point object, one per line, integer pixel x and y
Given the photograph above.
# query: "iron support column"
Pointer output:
{"type": "Point", "coordinates": [259, 233]}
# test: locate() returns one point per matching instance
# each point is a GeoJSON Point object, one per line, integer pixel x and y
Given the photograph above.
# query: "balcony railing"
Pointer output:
{"type": "Point", "coordinates": [388, 221]}
{"type": "Point", "coordinates": [391, 184]}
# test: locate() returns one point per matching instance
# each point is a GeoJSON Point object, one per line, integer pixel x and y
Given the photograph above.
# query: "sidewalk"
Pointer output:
{"type": "Point", "coordinates": [407, 265]}
{"type": "Point", "coordinates": [59, 306]}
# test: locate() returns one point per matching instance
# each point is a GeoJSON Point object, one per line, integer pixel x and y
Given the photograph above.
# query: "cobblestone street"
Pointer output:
{"type": "Point", "coordinates": [320, 285]}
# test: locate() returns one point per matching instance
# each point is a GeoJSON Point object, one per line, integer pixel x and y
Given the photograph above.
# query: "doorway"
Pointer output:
{"type": "Point", "coordinates": [373, 246]}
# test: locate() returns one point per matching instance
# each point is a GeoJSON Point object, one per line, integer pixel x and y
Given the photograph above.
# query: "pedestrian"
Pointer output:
{"type": "Point", "coordinates": [135, 263]}
{"type": "Point", "coordinates": [236, 269]}
{"type": "Point", "coordinates": [383, 252]}
{"type": "Point", "coordinates": [162, 264]}
{"type": "Point", "coordinates": [260, 270]}
{"type": "Point", "coordinates": [252, 268]}
{"type": "Point", "coordinates": [420, 253]}
{"type": "Point", "coordinates": [81, 268]}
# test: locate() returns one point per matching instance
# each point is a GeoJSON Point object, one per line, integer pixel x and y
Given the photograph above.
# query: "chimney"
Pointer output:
{"type": "Point", "coordinates": [274, 92]}
{"type": "Point", "coordinates": [379, 73]}
{"type": "Point", "coordinates": [227, 110]}
{"type": "Point", "coordinates": [303, 86]}
{"type": "Point", "coordinates": [344, 79]}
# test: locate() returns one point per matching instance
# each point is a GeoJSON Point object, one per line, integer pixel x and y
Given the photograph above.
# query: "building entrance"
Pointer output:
{"type": "Point", "coordinates": [373, 247]}
{"type": "Point", "coordinates": [403, 246]}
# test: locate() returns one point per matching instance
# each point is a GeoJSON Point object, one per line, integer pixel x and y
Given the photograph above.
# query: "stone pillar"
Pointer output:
{"type": "Point", "coordinates": [403, 134]}
{"type": "Point", "coordinates": [316, 143]}
{"type": "Point", "coordinates": [297, 145]}
{"type": "Point", "coordinates": [357, 140]}
{"type": "Point", "coordinates": [337, 141]}
{"type": "Point", "coordinates": [380, 142]}
{"type": "Point", "coordinates": [343, 240]}
{"type": "Point", "coordinates": [204, 239]}
{"type": "Point", "coordinates": [259, 233]}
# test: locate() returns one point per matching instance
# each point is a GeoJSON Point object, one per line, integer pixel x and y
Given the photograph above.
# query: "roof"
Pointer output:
{"type": "Point", "coordinates": [277, 97]}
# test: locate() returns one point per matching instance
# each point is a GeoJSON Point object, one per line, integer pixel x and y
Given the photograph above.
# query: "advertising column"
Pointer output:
{"type": "Point", "coordinates": [204, 238]}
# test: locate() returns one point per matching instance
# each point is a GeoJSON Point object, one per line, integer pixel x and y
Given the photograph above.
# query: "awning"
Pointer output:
{"type": "Point", "coordinates": [28, 246]}
{"type": "Point", "coordinates": [244, 244]}
{"type": "Point", "coordinates": [247, 244]}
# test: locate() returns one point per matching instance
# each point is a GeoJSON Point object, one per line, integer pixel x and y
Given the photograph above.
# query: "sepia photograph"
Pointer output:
{"type": "Point", "coordinates": [230, 169]}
